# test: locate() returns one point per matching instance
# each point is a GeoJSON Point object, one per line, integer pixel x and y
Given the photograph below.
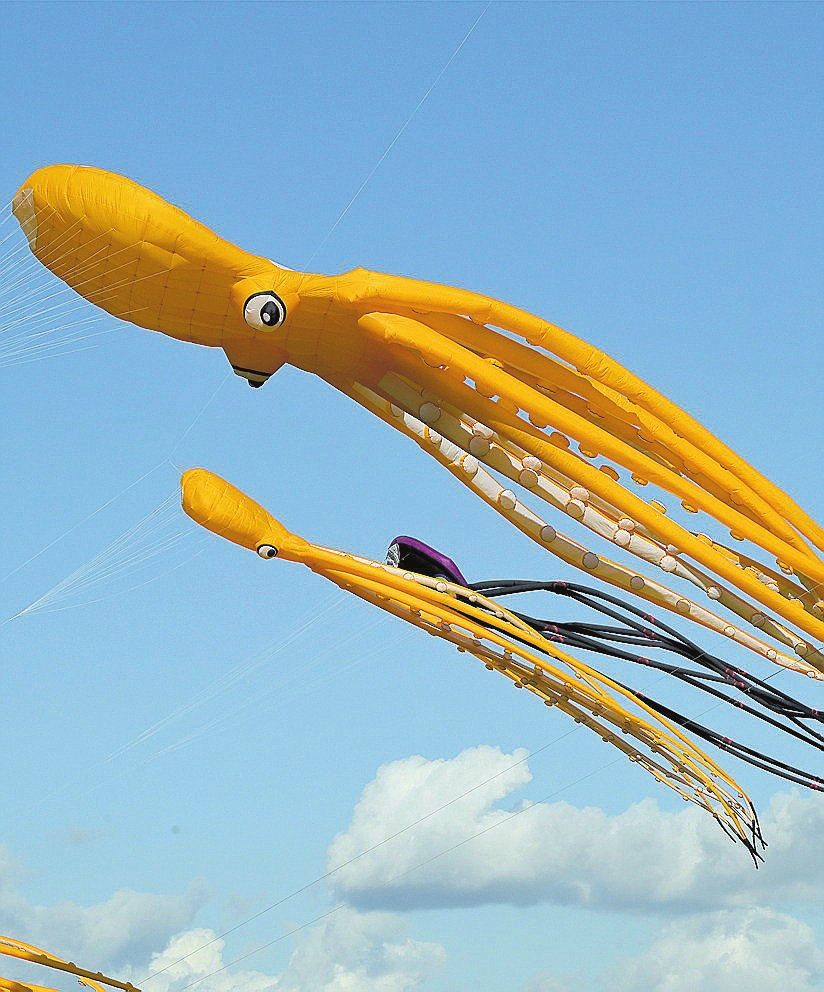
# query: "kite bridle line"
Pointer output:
{"type": "Point", "coordinates": [398, 134]}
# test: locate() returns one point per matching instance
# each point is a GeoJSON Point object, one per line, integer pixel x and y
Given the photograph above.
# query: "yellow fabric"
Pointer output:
{"type": "Point", "coordinates": [437, 354]}
{"type": "Point", "coordinates": [9, 985]}
{"type": "Point", "coordinates": [224, 510]}
{"type": "Point", "coordinates": [28, 952]}
{"type": "Point", "coordinates": [495, 636]}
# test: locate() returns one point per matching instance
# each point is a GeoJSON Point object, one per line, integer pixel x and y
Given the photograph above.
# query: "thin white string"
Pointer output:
{"type": "Point", "coordinates": [138, 544]}
{"type": "Point", "coordinates": [85, 519]}
{"type": "Point", "coordinates": [226, 681]}
{"type": "Point", "coordinates": [362, 854]}
{"type": "Point", "coordinates": [398, 134]}
{"type": "Point", "coordinates": [297, 681]}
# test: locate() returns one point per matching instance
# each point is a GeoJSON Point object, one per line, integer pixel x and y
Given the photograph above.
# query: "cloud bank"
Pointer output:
{"type": "Point", "coordinates": [452, 833]}
{"type": "Point", "coordinates": [126, 927]}
{"type": "Point", "coordinates": [755, 950]}
{"type": "Point", "coordinates": [752, 950]}
{"type": "Point", "coordinates": [473, 851]}
{"type": "Point", "coordinates": [348, 952]}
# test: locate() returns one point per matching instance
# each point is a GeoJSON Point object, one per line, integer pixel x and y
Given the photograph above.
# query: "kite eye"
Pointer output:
{"type": "Point", "coordinates": [264, 311]}
{"type": "Point", "coordinates": [267, 551]}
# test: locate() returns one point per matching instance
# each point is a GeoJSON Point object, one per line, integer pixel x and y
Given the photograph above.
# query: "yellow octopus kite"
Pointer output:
{"type": "Point", "coordinates": [500, 638]}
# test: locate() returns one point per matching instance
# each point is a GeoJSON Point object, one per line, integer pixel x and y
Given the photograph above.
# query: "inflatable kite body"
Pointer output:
{"type": "Point", "coordinates": [426, 589]}
{"type": "Point", "coordinates": [513, 406]}
{"type": "Point", "coordinates": [497, 637]}
{"type": "Point", "coordinates": [26, 952]}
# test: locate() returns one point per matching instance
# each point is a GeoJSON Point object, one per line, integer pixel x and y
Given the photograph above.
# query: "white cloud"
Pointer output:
{"type": "Point", "coordinates": [757, 950]}
{"type": "Point", "coordinates": [747, 950]}
{"type": "Point", "coordinates": [640, 859]}
{"type": "Point", "coordinates": [643, 859]}
{"type": "Point", "coordinates": [197, 956]}
{"type": "Point", "coordinates": [349, 952]}
{"type": "Point", "coordinates": [360, 952]}
{"type": "Point", "coordinates": [127, 926]}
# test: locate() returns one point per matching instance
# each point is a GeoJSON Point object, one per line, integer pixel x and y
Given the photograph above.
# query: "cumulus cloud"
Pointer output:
{"type": "Point", "coordinates": [348, 952]}
{"type": "Point", "coordinates": [474, 851]}
{"type": "Point", "coordinates": [360, 952]}
{"type": "Point", "coordinates": [196, 956]}
{"type": "Point", "coordinates": [127, 926]}
{"type": "Point", "coordinates": [757, 950]}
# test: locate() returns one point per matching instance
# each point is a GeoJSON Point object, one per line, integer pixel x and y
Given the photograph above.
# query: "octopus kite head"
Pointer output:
{"type": "Point", "coordinates": [221, 508]}
{"type": "Point", "coordinates": [139, 258]}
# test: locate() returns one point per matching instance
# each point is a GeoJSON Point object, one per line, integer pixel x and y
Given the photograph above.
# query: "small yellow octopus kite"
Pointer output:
{"type": "Point", "coordinates": [481, 386]}
{"type": "Point", "coordinates": [504, 641]}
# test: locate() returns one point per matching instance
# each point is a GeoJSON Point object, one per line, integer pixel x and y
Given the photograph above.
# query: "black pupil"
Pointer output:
{"type": "Point", "coordinates": [269, 313]}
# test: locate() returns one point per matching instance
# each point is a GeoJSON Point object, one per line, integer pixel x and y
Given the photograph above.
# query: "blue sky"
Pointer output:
{"type": "Point", "coordinates": [196, 738]}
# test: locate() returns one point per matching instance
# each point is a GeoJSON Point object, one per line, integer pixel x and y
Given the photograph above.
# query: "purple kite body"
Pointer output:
{"type": "Point", "coordinates": [412, 554]}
